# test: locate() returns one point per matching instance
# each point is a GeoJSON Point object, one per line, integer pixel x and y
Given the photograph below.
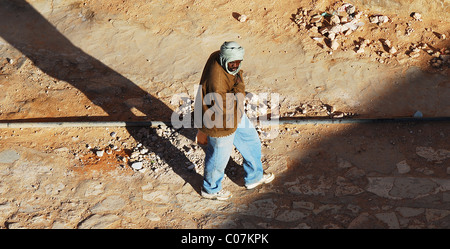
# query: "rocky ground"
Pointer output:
{"type": "Point", "coordinates": [100, 60]}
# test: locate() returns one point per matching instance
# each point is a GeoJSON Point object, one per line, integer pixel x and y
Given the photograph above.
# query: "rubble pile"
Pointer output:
{"type": "Point", "coordinates": [383, 38]}
{"type": "Point", "coordinates": [152, 155]}
{"type": "Point", "coordinates": [332, 26]}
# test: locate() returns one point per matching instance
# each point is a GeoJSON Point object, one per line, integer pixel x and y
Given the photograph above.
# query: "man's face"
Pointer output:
{"type": "Point", "coordinates": [234, 65]}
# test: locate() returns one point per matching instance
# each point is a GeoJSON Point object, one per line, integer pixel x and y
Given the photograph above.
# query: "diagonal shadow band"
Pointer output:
{"type": "Point", "coordinates": [37, 39]}
{"type": "Point", "coordinates": [30, 33]}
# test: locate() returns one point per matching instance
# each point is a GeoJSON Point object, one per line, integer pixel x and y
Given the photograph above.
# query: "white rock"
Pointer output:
{"type": "Point", "coordinates": [242, 18]}
{"type": "Point", "coordinates": [137, 165]}
{"type": "Point", "coordinates": [316, 18]}
{"type": "Point", "coordinates": [383, 19]}
{"type": "Point", "coordinates": [378, 19]}
{"type": "Point", "coordinates": [318, 39]}
{"type": "Point", "coordinates": [339, 28]}
{"type": "Point", "coordinates": [334, 45]}
{"type": "Point", "coordinates": [392, 50]}
{"type": "Point", "coordinates": [335, 19]}
{"type": "Point", "coordinates": [351, 9]}
{"type": "Point", "coordinates": [417, 16]}
{"type": "Point", "coordinates": [100, 153]}
{"type": "Point", "coordinates": [373, 19]}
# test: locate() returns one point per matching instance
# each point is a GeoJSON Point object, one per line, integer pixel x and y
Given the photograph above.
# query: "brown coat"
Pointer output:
{"type": "Point", "coordinates": [216, 80]}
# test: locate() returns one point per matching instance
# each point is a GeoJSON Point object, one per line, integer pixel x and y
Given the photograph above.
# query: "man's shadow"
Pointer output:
{"type": "Point", "coordinates": [30, 33]}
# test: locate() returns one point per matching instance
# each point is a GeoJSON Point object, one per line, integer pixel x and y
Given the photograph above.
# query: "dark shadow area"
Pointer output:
{"type": "Point", "coordinates": [385, 175]}
{"type": "Point", "coordinates": [30, 33]}
{"type": "Point", "coordinates": [236, 15]}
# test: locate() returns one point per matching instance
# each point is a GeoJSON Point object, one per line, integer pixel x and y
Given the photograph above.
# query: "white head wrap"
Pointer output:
{"type": "Point", "coordinates": [231, 51]}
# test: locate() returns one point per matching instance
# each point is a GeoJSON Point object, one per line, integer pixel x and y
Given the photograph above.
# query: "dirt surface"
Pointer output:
{"type": "Point", "coordinates": [67, 60]}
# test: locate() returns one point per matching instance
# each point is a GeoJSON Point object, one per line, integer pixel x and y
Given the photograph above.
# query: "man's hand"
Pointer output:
{"type": "Point", "coordinates": [201, 138]}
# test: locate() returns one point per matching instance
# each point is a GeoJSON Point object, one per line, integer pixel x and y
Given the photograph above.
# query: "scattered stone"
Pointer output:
{"type": "Point", "coordinates": [373, 19]}
{"type": "Point", "coordinates": [362, 44]}
{"type": "Point", "coordinates": [350, 9]}
{"type": "Point", "coordinates": [438, 60]}
{"type": "Point", "coordinates": [403, 167]}
{"type": "Point", "coordinates": [414, 54]}
{"type": "Point", "coordinates": [242, 18]}
{"type": "Point", "coordinates": [392, 50]}
{"type": "Point", "coordinates": [382, 19]}
{"type": "Point", "coordinates": [416, 16]}
{"type": "Point", "coordinates": [378, 19]}
{"type": "Point", "coordinates": [137, 165]}
{"type": "Point", "coordinates": [335, 19]}
{"type": "Point", "coordinates": [334, 44]}
{"type": "Point", "coordinates": [100, 153]}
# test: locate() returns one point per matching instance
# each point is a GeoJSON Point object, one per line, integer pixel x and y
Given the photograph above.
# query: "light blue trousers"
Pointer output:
{"type": "Point", "coordinates": [218, 152]}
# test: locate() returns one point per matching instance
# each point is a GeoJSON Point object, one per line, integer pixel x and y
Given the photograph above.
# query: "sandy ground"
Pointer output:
{"type": "Point", "coordinates": [67, 60]}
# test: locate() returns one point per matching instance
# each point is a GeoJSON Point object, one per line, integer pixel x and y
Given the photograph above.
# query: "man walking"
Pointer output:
{"type": "Point", "coordinates": [225, 124]}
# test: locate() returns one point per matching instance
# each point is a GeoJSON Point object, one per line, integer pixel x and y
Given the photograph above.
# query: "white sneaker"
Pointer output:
{"type": "Point", "coordinates": [267, 177]}
{"type": "Point", "coordinates": [222, 195]}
